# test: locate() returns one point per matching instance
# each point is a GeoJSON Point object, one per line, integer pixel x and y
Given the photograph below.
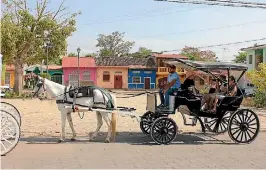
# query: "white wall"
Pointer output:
{"type": "Point", "coordinates": [252, 65]}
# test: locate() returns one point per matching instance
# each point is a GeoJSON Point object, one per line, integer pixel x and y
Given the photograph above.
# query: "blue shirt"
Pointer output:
{"type": "Point", "coordinates": [174, 76]}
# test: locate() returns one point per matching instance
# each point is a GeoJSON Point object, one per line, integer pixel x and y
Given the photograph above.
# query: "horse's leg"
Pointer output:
{"type": "Point", "coordinates": [108, 123]}
{"type": "Point", "coordinates": [63, 125]}
{"type": "Point", "coordinates": [99, 125]}
{"type": "Point", "coordinates": [70, 122]}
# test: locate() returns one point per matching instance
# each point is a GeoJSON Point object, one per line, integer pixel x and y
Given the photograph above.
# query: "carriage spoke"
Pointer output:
{"type": "Point", "coordinates": [238, 115]}
{"type": "Point", "coordinates": [236, 131]}
{"type": "Point", "coordinates": [242, 135]}
{"type": "Point", "coordinates": [252, 128]}
{"type": "Point", "coordinates": [245, 136]}
{"type": "Point", "coordinates": [251, 120]}
{"type": "Point", "coordinates": [238, 134]}
{"type": "Point", "coordinates": [3, 145]}
{"type": "Point", "coordinates": [248, 135]}
{"type": "Point", "coordinates": [251, 131]}
{"type": "Point", "coordinates": [253, 124]}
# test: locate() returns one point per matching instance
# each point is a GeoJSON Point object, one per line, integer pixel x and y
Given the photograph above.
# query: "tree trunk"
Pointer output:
{"type": "Point", "coordinates": [18, 86]}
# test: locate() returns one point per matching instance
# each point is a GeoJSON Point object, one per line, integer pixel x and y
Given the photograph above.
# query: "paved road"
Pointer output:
{"type": "Point", "coordinates": [136, 151]}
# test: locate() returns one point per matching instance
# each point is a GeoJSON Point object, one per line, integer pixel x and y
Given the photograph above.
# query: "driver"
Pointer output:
{"type": "Point", "coordinates": [173, 83]}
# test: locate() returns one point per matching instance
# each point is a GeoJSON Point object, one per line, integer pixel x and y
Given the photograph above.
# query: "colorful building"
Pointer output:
{"type": "Point", "coordinates": [55, 71]}
{"type": "Point", "coordinates": [142, 78]}
{"type": "Point", "coordinates": [9, 77]}
{"type": "Point", "coordinates": [255, 56]}
{"type": "Point", "coordinates": [162, 68]}
{"type": "Point", "coordinates": [87, 70]}
{"type": "Point", "coordinates": [113, 72]}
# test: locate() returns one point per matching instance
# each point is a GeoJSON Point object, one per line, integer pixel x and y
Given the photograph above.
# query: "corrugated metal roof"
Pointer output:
{"type": "Point", "coordinates": [170, 56]}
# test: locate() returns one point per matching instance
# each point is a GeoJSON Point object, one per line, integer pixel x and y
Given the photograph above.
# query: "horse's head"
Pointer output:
{"type": "Point", "coordinates": [39, 87]}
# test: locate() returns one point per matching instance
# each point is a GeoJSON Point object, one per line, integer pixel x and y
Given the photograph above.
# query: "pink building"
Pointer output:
{"type": "Point", "coordinates": [87, 69]}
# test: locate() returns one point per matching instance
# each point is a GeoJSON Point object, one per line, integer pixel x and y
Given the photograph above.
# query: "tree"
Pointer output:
{"type": "Point", "coordinates": [113, 45]}
{"type": "Point", "coordinates": [72, 55]}
{"type": "Point", "coordinates": [196, 54]}
{"type": "Point", "coordinates": [241, 57]}
{"type": "Point", "coordinates": [143, 52]}
{"type": "Point", "coordinates": [91, 55]}
{"type": "Point", "coordinates": [25, 31]}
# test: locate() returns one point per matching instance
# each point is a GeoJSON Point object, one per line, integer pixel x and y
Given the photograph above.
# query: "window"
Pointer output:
{"type": "Point", "coordinates": [86, 75]}
{"type": "Point", "coordinates": [7, 79]}
{"type": "Point", "coordinates": [147, 72]}
{"type": "Point", "coordinates": [250, 59]}
{"type": "Point", "coordinates": [136, 80]}
{"type": "Point", "coordinates": [201, 82]}
{"type": "Point", "coordinates": [57, 78]}
{"type": "Point", "coordinates": [136, 72]}
{"type": "Point", "coordinates": [106, 76]}
{"type": "Point", "coordinates": [73, 78]}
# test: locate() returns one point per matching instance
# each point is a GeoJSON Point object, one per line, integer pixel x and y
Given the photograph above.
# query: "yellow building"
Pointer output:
{"type": "Point", "coordinates": [162, 68]}
{"type": "Point", "coordinates": [9, 78]}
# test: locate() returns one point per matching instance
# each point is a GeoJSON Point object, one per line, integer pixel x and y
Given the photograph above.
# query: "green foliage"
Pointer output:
{"type": "Point", "coordinates": [258, 78]}
{"type": "Point", "coordinates": [113, 45]}
{"type": "Point", "coordinates": [143, 52]}
{"type": "Point", "coordinates": [241, 57]}
{"type": "Point", "coordinates": [91, 55]}
{"type": "Point", "coordinates": [13, 95]}
{"type": "Point", "coordinates": [45, 75]}
{"type": "Point", "coordinates": [259, 99]}
{"type": "Point", "coordinates": [3, 72]}
{"type": "Point", "coordinates": [72, 55]}
{"type": "Point", "coordinates": [25, 31]}
{"type": "Point", "coordinates": [196, 54]}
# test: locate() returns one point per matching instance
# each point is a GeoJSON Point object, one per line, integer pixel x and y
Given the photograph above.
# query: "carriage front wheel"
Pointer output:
{"type": "Point", "coordinates": [243, 126]}
{"type": "Point", "coordinates": [163, 130]}
{"type": "Point", "coordinates": [10, 132]}
{"type": "Point", "coordinates": [146, 122]}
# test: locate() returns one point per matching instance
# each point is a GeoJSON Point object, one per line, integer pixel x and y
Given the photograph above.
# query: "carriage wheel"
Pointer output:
{"type": "Point", "coordinates": [243, 126]}
{"type": "Point", "coordinates": [223, 126]}
{"type": "Point", "coordinates": [146, 122]}
{"type": "Point", "coordinates": [11, 109]}
{"type": "Point", "coordinates": [163, 130]}
{"type": "Point", "coordinates": [10, 132]}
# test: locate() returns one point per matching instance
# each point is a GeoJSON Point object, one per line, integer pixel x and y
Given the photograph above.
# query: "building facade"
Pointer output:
{"type": "Point", "coordinates": [85, 73]}
{"type": "Point", "coordinates": [9, 76]}
{"type": "Point", "coordinates": [255, 56]}
{"type": "Point", "coordinates": [113, 72]}
{"type": "Point", "coordinates": [141, 78]}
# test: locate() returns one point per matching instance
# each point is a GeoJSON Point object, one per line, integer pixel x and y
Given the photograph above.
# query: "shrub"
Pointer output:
{"type": "Point", "coordinates": [45, 75]}
{"type": "Point", "coordinates": [258, 78]}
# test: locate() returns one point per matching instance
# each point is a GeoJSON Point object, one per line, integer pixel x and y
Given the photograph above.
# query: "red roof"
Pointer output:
{"type": "Point", "coordinates": [73, 62]}
{"type": "Point", "coordinates": [170, 56]}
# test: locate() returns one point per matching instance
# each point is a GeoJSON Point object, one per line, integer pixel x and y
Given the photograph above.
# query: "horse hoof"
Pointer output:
{"type": "Point", "coordinates": [60, 141]}
{"type": "Point", "coordinates": [72, 139]}
{"type": "Point", "coordinates": [107, 141]}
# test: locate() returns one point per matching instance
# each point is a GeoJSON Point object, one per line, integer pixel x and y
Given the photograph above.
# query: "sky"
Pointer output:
{"type": "Point", "coordinates": [163, 26]}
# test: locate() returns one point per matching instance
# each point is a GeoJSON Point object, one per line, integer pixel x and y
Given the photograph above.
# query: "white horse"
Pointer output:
{"type": "Point", "coordinates": [61, 93]}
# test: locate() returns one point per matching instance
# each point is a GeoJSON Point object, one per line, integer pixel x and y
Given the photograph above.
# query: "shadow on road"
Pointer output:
{"type": "Point", "coordinates": [134, 138]}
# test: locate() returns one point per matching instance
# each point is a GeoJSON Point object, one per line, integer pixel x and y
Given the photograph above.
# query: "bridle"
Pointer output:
{"type": "Point", "coordinates": [40, 85]}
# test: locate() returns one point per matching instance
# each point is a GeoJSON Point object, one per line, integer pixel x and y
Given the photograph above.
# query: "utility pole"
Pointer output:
{"type": "Point", "coordinates": [78, 50]}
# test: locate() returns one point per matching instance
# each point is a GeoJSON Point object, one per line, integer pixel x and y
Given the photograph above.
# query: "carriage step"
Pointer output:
{"type": "Point", "coordinates": [188, 124]}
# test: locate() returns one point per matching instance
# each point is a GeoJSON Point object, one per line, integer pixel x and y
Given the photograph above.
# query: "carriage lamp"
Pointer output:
{"type": "Point", "coordinates": [78, 50]}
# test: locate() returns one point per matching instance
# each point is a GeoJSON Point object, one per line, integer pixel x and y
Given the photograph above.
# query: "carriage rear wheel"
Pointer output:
{"type": "Point", "coordinates": [10, 132]}
{"type": "Point", "coordinates": [223, 126]}
{"type": "Point", "coordinates": [146, 122]}
{"type": "Point", "coordinates": [163, 130]}
{"type": "Point", "coordinates": [12, 110]}
{"type": "Point", "coordinates": [243, 126]}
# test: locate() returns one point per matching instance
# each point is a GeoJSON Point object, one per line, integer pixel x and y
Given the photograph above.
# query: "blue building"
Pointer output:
{"type": "Point", "coordinates": [142, 78]}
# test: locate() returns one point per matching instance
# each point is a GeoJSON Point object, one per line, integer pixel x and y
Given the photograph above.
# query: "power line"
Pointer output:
{"type": "Point", "coordinates": [208, 29]}
{"type": "Point", "coordinates": [140, 17]}
{"type": "Point", "coordinates": [230, 3]}
{"type": "Point", "coordinates": [218, 45]}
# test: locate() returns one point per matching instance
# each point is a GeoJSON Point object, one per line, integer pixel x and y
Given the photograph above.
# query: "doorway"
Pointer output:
{"type": "Point", "coordinates": [147, 82]}
{"type": "Point", "coordinates": [118, 81]}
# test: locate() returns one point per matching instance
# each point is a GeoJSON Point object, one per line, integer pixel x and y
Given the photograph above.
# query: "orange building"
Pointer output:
{"type": "Point", "coordinates": [9, 78]}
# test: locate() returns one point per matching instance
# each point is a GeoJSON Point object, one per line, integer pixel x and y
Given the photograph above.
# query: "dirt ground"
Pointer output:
{"type": "Point", "coordinates": [42, 118]}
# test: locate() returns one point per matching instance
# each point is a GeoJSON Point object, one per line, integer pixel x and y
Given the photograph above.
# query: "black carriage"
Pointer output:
{"type": "Point", "coordinates": [242, 124]}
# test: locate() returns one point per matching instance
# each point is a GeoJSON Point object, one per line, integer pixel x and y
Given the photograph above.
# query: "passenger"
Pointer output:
{"type": "Point", "coordinates": [189, 81]}
{"type": "Point", "coordinates": [223, 86]}
{"type": "Point", "coordinates": [232, 89]}
{"type": "Point", "coordinates": [210, 100]}
{"type": "Point", "coordinates": [173, 83]}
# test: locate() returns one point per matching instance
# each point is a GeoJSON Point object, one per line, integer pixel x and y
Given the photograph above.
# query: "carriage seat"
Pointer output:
{"type": "Point", "coordinates": [83, 91]}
